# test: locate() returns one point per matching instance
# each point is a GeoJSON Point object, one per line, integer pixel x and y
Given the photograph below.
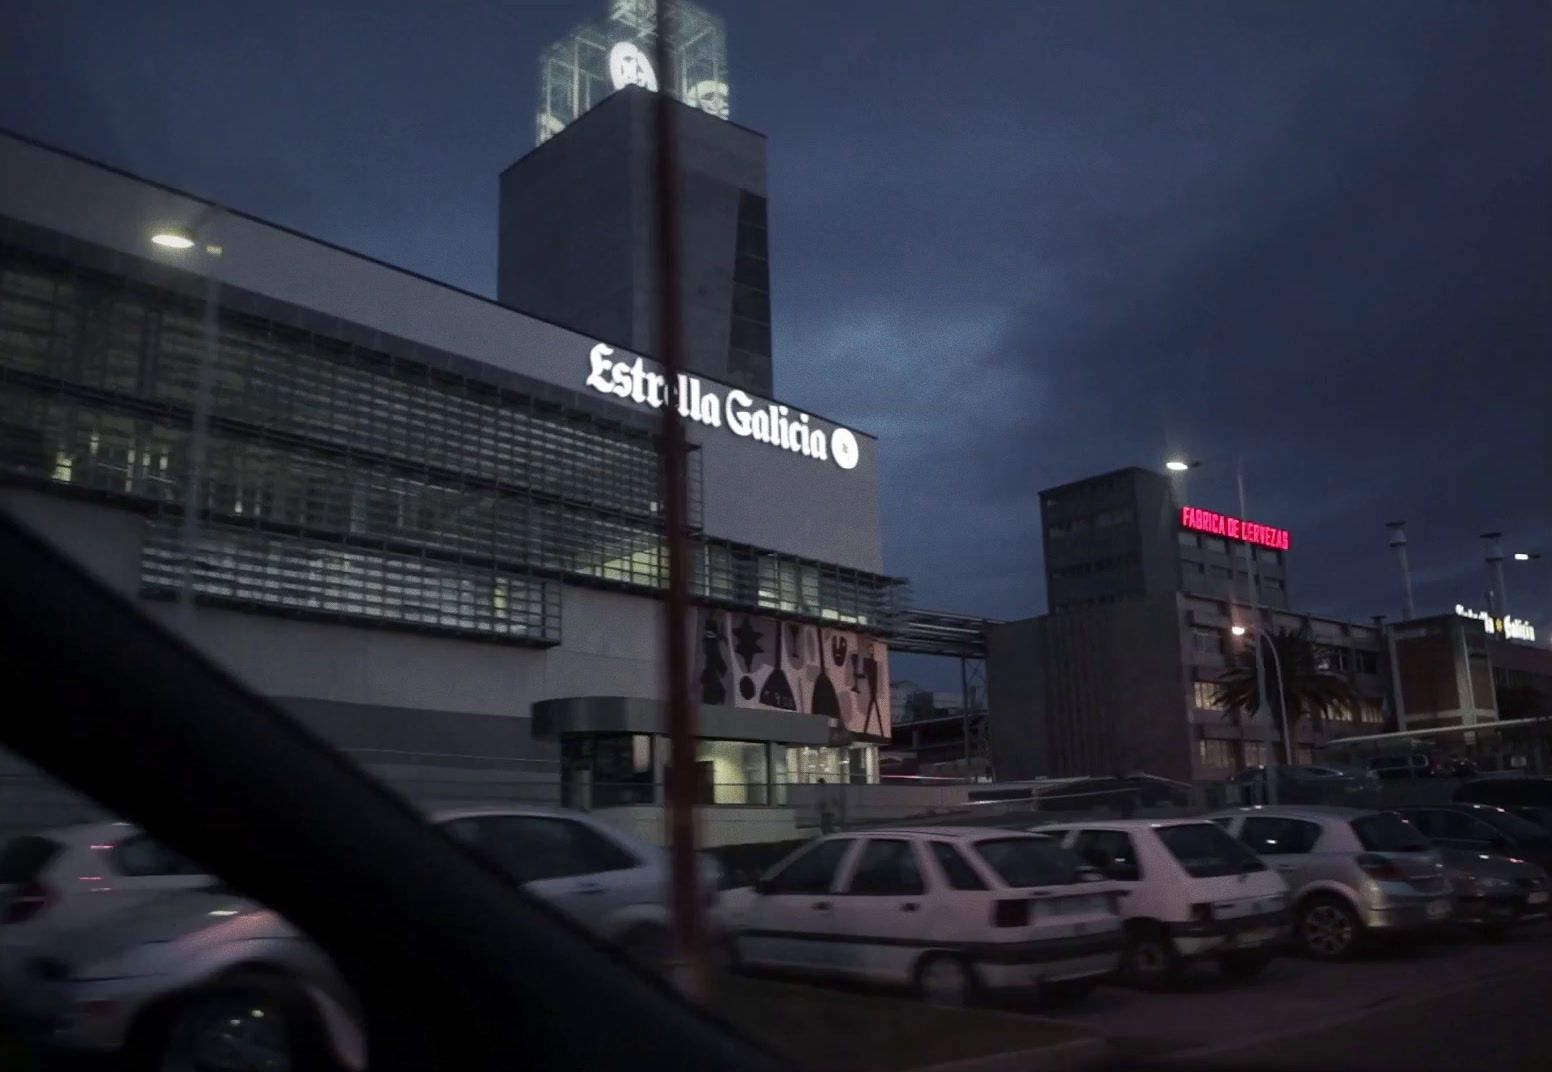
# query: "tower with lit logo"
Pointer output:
{"type": "Point", "coordinates": [602, 56]}
{"type": "Point", "coordinates": [578, 221]}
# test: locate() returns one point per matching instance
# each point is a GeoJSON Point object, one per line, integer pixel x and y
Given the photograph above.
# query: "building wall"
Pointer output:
{"type": "Point", "coordinates": [754, 493]}
{"type": "Point", "coordinates": [588, 194]}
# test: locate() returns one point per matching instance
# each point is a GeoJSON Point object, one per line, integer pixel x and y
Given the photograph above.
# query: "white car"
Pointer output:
{"type": "Point", "coordinates": [191, 972]}
{"type": "Point", "coordinates": [1192, 891]}
{"type": "Point", "coordinates": [60, 879]}
{"type": "Point", "coordinates": [948, 911]}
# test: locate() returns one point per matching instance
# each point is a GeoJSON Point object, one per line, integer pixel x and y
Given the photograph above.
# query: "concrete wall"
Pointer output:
{"type": "Point", "coordinates": [1092, 691]}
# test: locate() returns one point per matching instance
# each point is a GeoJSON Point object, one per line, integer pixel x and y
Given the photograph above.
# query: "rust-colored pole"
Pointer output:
{"type": "Point", "coordinates": [689, 932]}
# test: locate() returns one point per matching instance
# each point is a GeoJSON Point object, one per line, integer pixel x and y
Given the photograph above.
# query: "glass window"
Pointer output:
{"type": "Point", "coordinates": [1508, 823]}
{"type": "Point", "coordinates": [1190, 539]}
{"type": "Point", "coordinates": [957, 871]}
{"type": "Point", "coordinates": [1029, 861]}
{"type": "Point", "coordinates": [25, 858]}
{"type": "Point", "coordinates": [1205, 851]}
{"type": "Point", "coordinates": [1270, 836]}
{"type": "Point", "coordinates": [887, 868]}
{"type": "Point", "coordinates": [1207, 641]}
{"type": "Point", "coordinates": [1216, 753]}
{"type": "Point", "coordinates": [1215, 545]}
{"type": "Point", "coordinates": [731, 772]}
{"type": "Point", "coordinates": [143, 857]}
{"type": "Point", "coordinates": [622, 770]}
{"type": "Point", "coordinates": [1109, 850]}
{"type": "Point", "coordinates": [1255, 753]}
{"type": "Point", "coordinates": [531, 848]}
{"type": "Point", "coordinates": [1204, 694]}
{"type": "Point", "coordinates": [1387, 832]}
{"type": "Point", "coordinates": [813, 871]}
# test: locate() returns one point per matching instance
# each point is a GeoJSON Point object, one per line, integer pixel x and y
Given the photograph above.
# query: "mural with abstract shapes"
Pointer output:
{"type": "Point", "coordinates": [744, 660]}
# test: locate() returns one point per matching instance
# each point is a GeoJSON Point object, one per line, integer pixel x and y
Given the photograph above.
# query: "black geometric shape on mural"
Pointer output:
{"type": "Point", "coordinates": [825, 701]}
{"type": "Point", "coordinates": [746, 688]}
{"type": "Point", "coordinates": [748, 645]}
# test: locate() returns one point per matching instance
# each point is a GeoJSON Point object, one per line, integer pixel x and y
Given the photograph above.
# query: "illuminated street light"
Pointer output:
{"type": "Point", "coordinates": [172, 239]}
{"type": "Point", "coordinates": [1525, 556]}
{"type": "Point", "coordinates": [1180, 465]}
{"type": "Point", "coordinates": [1237, 630]}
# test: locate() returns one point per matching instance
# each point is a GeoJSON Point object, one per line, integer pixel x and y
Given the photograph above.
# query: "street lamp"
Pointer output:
{"type": "Point", "coordinates": [1237, 630]}
{"type": "Point", "coordinates": [180, 240]}
{"type": "Point", "coordinates": [1180, 465]}
{"type": "Point", "coordinates": [1525, 556]}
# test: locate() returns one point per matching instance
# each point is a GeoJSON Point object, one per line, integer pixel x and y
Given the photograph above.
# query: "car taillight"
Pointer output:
{"type": "Point", "coordinates": [1380, 867]}
{"type": "Point", "coordinates": [28, 902]}
{"type": "Point", "coordinates": [1010, 914]}
{"type": "Point", "coordinates": [1202, 913]}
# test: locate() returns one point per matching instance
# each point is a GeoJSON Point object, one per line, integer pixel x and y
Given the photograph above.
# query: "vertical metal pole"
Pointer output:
{"type": "Point", "coordinates": [1497, 597]}
{"type": "Point", "coordinates": [689, 937]}
{"type": "Point", "coordinates": [964, 710]}
{"type": "Point", "coordinates": [199, 436]}
{"type": "Point", "coordinates": [1398, 543]}
{"type": "Point", "coordinates": [1253, 578]}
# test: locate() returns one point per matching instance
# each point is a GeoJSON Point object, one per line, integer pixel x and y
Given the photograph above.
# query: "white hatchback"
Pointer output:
{"type": "Point", "coordinates": [1191, 891]}
{"type": "Point", "coordinates": [948, 911]}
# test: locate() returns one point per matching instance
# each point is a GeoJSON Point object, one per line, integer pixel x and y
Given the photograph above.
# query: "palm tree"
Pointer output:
{"type": "Point", "coordinates": [1311, 690]}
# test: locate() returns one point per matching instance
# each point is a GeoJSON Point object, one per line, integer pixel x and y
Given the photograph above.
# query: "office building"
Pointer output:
{"type": "Point", "coordinates": [1145, 593]}
{"type": "Point", "coordinates": [427, 524]}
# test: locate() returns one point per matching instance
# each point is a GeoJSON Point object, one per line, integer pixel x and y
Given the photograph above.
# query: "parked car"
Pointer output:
{"type": "Point", "coordinates": [1305, 783]}
{"type": "Point", "coordinates": [946, 911]}
{"type": "Point", "coordinates": [1402, 765]}
{"type": "Point", "coordinates": [1482, 828]}
{"type": "Point", "coordinates": [1191, 892]}
{"type": "Point", "coordinates": [182, 971]}
{"type": "Point", "coordinates": [1494, 893]}
{"type": "Point", "coordinates": [65, 877]}
{"type": "Point", "coordinates": [1352, 872]}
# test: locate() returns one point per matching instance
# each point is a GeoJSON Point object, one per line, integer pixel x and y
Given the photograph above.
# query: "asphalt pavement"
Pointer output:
{"type": "Point", "coordinates": [1447, 1004]}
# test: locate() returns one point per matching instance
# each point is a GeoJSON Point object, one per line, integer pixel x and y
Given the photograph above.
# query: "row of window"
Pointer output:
{"type": "Point", "coordinates": [431, 488]}
{"type": "Point", "coordinates": [1107, 564]}
{"type": "Point", "coordinates": [1227, 755]}
{"type": "Point", "coordinates": [1098, 522]}
{"type": "Point", "coordinates": [1219, 546]}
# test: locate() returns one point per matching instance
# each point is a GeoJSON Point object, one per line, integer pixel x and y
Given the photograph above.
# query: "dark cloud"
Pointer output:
{"type": "Point", "coordinates": [1023, 242]}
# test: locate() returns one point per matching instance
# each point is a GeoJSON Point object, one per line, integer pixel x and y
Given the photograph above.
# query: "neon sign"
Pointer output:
{"type": "Point", "coordinates": [1507, 627]}
{"type": "Point", "coordinates": [1233, 528]}
{"type": "Point", "coordinates": [698, 401]}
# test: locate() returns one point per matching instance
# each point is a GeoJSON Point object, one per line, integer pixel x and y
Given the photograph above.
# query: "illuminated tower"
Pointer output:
{"type": "Point", "coordinates": [602, 56]}
{"type": "Point", "coordinates": [578, 212]}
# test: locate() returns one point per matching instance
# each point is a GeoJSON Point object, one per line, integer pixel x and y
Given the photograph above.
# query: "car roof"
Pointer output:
{"type": "Point", "coordinates": [1454, 805]}
{"type": "Point", "coordinates": [958, 833]}
{"type": "Point", "coordinates": [443, 815]}
{"type": "Point", "coordinates": [1313, 812]}
{"type": "Point", "coordinates": [1117, 824]}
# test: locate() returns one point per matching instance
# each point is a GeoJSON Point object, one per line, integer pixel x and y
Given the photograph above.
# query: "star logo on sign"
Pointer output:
{"type": "Point", "coordinates": [748, 645]}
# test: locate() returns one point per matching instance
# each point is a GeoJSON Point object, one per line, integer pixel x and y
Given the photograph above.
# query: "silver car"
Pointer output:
{"type": "Point", "coordinates": [1350, 872]}
{"type": "Point", "coordinates": [207, 977]}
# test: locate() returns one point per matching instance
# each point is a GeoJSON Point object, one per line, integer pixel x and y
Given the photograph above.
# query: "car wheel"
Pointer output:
{"type": "Point", "coordinates": [244, 1023]}
{"type": "Point", "coordinates": [1150, 960]}
{"type": "Point", "coordinates": [1244, 964]}
{"type": "Point", "coordinates": [942, 979]}
{"type": "Point", "coordinates": [1328, 928]}
{"type": "Point", "coordinates": [1068, 991]}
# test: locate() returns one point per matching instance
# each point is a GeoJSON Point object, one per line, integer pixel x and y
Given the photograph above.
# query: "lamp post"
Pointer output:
{"type": "Point", "coordinates": [1239, 628]}
{"type": "Point", "coordinates": [180, 240]}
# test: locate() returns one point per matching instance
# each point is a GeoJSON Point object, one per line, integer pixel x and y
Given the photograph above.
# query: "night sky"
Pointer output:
{"type": "Point", "coordinates": [1021, 242]}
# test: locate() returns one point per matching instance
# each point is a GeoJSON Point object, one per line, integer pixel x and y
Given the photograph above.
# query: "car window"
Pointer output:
{"type": "Point", "coordinates": [531, 848]}
{"type": "Point", "coordinates": [887, 867]}
{"type": "Point", "coordinates": [1205, 851]}
{"type": "Point", "coordinates": [1027, 861]}
{"type": "Point", "coordinates": [956, 869]}
{"type": "Point", "coordinates": [1519, 829]}
{"type": "Point", "coordinates": [812, 872]}
{"type": "Point", "coordinates": [1428, 822]}
{"type": "Point", "coordinates": [143, 857]}
{"type": "Point", "coordinates": [1109, 850]}
{"type": "Point", "coordinates": [1456, 826]}
{"type": "Point", "coordinates": [1268, 835]}
{"type": "Point", "coordinates": [1387, 832]}
{"type": "Point", "coordinates": [24, 858]}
